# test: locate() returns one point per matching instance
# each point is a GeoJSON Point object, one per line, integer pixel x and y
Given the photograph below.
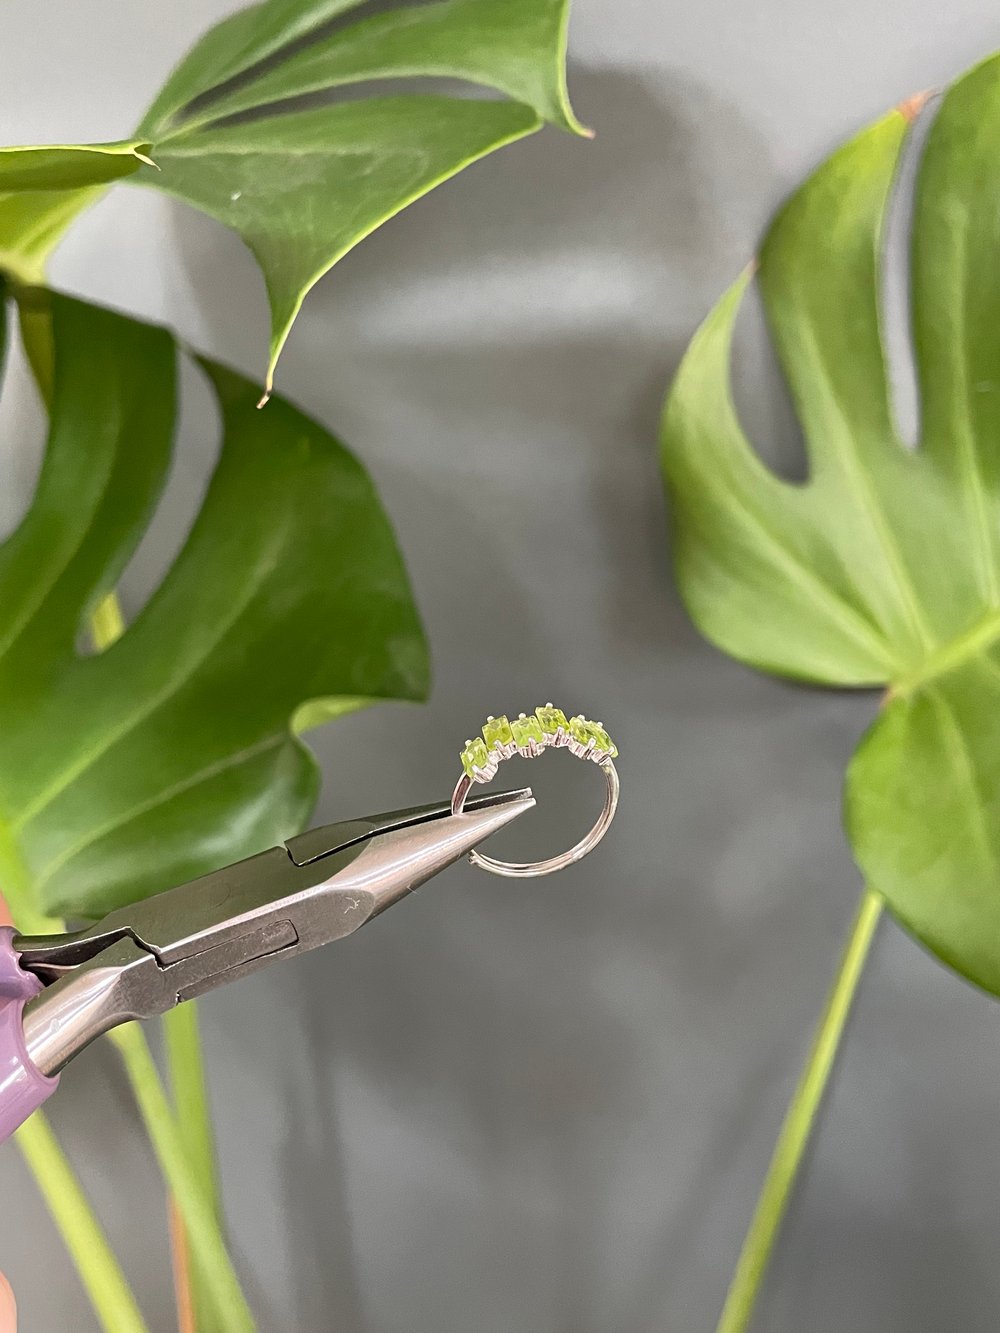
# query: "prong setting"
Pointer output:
{"type": "Point", "coordinates": [529, 736]}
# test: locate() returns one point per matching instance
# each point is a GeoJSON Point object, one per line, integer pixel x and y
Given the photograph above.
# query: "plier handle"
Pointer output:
{"type": "Point", "coordinates": [59, 992]}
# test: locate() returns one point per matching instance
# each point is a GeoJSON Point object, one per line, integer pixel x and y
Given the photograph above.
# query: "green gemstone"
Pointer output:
{"type": "Point", "coordinates": [551, 719]}
{"type": "Point", "coordinates": [583, 731]}
{"type": "Point", "coordinates": [527, 729]}
{"type": "Point", "coordinates": [497, 732]}
{"type": "Point", "coordinates": [474, 755]}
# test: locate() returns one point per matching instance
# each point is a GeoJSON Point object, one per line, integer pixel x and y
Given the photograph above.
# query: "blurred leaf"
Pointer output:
{"type": "Point", "coordinates": [70, 166]}
{"type": "Point", "coordinates": [172, 752]}
{"type": "Point", "coordinates": [32, 223]}
{"type": "Point", "coordinates": [302, 187]}
{"type": "Point", "coordinates": [884, 567]}
{"type": "Point", "coordinates": [42, 189]}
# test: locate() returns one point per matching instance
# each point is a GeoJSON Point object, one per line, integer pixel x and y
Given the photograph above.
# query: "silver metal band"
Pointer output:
{"type": "Point", "coordinates": [528, 869]}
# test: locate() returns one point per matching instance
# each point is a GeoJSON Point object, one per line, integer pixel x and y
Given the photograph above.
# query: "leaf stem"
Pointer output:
{"type": "Point", "coordinates": [181, 1254]}
{"type": "Point", "coordinates": [82, 1234]}
{"type": "Point", "coordinates": [208, 1250]}
{"type": "Point", "coordinates": [182, 1041]}
{"type": "Point", "coordinates": [797, 1127]}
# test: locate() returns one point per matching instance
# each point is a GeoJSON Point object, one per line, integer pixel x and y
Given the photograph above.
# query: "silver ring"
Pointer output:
{"type": "Point", "coordinates": [531, 736]}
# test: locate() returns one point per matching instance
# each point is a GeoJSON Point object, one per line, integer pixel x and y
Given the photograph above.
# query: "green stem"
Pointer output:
{"type": "Point", "coordinates": [798, 1124]}
{"type": "Point", "coordinates": [82, 1234]}
{"type": "Point", "coordinates": [208, 1250]}
{"type": "Point", "coordinates": [182, 1041]}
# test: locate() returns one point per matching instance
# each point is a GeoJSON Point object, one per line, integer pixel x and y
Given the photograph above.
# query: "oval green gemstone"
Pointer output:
{"type": "Point", "coordinates": [527, 729]}
{"type": "Point", "coordinates": [497, 732]}
{"type": "Point", "coordinates": [475, 755]}
{"type": "Point", "coordinates": [551, 719]}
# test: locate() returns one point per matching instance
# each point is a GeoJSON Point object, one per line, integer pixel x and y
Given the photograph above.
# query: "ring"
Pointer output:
{"type": "Point", "coordinates": [530, 736]}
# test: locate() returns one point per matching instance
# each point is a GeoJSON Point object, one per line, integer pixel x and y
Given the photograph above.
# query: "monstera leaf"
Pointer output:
{"type": "Point", "coordinates": [883, 568]}
{"type": "Point", "coordinates": [42, 189]}
{"type": "Point", "coordinates": [302, 187]}
{"type": "Point", "coordinates": [174, 750]}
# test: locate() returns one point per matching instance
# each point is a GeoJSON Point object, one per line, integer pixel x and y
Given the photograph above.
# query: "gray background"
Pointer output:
{"type": "Point", "coordinates": [546, 1108]}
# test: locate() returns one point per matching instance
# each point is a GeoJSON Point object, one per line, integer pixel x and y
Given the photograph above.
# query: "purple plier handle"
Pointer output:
{"type": "Point", "coordinates": [22, 1087]}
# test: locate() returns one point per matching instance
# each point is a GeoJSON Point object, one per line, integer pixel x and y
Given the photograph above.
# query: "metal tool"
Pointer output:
{"type": "Point", "coordinates": [58, 993]}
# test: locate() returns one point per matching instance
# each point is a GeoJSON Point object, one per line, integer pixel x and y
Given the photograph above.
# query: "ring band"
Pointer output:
{"type": "Point", "coordinates": [529, 737]}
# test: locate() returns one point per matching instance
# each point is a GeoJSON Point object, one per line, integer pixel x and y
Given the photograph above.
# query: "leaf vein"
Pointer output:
{"type": "Point", "coordinates": [161, 798]}
{"type": "Point", "coordinates": [158, 699]}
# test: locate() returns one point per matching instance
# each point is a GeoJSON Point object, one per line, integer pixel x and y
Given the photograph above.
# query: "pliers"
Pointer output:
{"type": "Point", "coordinates": [59, 992]}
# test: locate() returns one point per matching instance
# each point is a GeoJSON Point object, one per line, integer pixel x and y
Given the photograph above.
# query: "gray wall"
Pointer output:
{"type": "Point", "coordinates": [546, 1108]}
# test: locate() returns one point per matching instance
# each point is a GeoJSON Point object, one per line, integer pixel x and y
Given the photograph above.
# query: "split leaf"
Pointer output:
{"type": "Point", "coordinates": [883, 568]}
{"type": "Point", "coordinates": [302, 187]}
{"type": "Point", "coordinates": [517, 47]}
{"type": "Point", "coordinates": [172, 752]}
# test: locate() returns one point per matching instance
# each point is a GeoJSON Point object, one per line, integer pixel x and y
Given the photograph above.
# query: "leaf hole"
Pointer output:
{"type": "Point", "coordinates": [363, 90]}
{"type": "Point", "coordinates": [895, 287]}
{"type": "Point", "coordinates": [343, 22]}
{"type": "Point", "coordinates": [22, 423]}
{"type": "Point", "coordinates": [196, 449]}
{"type": "Point", "coordinates": [760, 394]}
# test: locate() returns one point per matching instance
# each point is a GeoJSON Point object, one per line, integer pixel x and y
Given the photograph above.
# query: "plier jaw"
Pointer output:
{"type": "Point", "coordinates": [318, 887]}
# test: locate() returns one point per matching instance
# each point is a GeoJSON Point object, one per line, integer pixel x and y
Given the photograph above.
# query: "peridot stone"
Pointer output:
{"type": "Point", "coordinates": [497, 732]}
{"type": "Point", "coordinates": [583, 731]}
{"type": "Point", "coordinates": [551, 719]}
{"type": "Point", "coordinates": [474, 755]}
{"type": "Point", "coordinates": [527, 729]}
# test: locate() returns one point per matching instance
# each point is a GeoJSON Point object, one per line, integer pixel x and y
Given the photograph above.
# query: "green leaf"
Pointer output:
{"type": "Point", "coordinates": [233, 46]}
{"type": "Point", "coordinates": [515, 46]}
{"type": "Point", "coordinates": [302, 187]}
{"type": "Point", "coordinates": [42, 189]}
{"type": "Point", "coordinates": [883, 568]}
{"type": "Point", "coordinates": [70, 166]}
{"type": "Point", "coordinates": [172, 751]}
{"type": "Point", "coordinates": [32, 223]}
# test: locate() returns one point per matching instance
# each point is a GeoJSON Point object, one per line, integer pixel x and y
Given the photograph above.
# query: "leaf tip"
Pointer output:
{"type": "Point", "coordinates": [265, 397]}
{"type": "Point", "coordinates": [142, 152]}
{"type": "Point", "coordinates": [911, 107]}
